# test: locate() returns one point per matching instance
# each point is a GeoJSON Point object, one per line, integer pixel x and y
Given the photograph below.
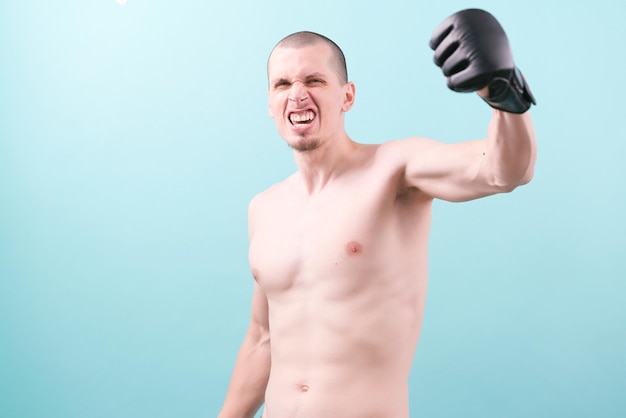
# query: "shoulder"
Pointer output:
{"type": "Point", "coordinates": [263, 203]}
{"type": "Point", "coordinates": [398, 152]}
{"type": "Point", "coordinates": [270, 195]}
{"type": "Point", "coordinates": [409, 159]}
{"type": "Point", "coordinates": [399, 146]}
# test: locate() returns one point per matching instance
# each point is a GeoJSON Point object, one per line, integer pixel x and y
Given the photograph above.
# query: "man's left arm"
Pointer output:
{"type": "Point", "coordinates": [472, 169]}
{"type": "Point", "coordinates": [473, 52]}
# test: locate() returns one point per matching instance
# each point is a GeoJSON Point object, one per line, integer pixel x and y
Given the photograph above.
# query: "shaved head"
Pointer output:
{"type": "Point", "coordinates": [306, 38]}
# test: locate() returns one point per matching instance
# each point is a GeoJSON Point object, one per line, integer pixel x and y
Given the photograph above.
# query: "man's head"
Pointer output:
{"type": "Point", "coordinates": [308, 90]}
{"type": "Point", "coordinates": [306, 38]}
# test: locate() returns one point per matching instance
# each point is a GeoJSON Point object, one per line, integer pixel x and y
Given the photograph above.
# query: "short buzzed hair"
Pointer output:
{"type": "Point", "coordinates": [307, 38]}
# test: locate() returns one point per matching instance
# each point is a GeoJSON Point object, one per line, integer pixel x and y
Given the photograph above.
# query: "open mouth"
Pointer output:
{"type": "Point", "coordinates": [302, 118]}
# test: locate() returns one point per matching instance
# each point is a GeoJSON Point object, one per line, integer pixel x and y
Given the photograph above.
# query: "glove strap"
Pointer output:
{"type": "Point", "coordinates": [508, 91]}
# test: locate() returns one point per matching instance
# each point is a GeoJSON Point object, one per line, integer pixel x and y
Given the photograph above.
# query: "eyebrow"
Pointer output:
{"type": "Point", "coordinates": [316, 75]}
{"type": "Point", "coordinates": [312, 75]}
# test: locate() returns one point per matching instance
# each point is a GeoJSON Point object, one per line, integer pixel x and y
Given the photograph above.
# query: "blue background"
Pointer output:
{"type": "Point", "coordinates": [132, 138]}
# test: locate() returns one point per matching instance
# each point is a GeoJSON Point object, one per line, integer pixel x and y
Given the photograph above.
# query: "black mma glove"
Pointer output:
{"type": "Point", "coordinates": [473, 52]}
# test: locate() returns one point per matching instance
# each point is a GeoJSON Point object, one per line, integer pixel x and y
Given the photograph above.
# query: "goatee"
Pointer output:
{"type": "Point", "coordinates": [304, 146]}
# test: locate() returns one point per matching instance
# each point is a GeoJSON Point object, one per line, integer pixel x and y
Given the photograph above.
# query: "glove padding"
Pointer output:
{"type": "Point", "coordinates": [473, 52]}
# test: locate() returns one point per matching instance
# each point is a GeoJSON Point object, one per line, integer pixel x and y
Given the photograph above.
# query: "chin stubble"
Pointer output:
{"type": "Point", "coordinates": [305, 146]}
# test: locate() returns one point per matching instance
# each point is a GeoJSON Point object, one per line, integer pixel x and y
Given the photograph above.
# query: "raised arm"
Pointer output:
{"type": "Point", "coordinates": [473, 169]}
{"type": "Point", "coordinates": [474, 54]}
{"type": "Point", "coordinates": [246, 391]}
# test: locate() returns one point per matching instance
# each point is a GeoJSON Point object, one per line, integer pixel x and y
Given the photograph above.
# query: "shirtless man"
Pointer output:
{"type": "Point", "coordinates": [338, 250]}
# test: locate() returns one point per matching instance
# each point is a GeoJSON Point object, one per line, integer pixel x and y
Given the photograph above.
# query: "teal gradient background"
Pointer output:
{"type": "Point", "coordinates": [132, 138]}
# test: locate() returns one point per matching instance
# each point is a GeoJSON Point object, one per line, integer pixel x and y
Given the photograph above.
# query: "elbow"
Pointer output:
{"type": "Point", "coordinates": [506, 187]}
{"type": "Point", "coordinates": [528, 177]}
{"type": "Point", "coordinates": [529, 174]}
{"type": "Point", "coordinates": [510, 183]}
{"type": "Point", "coordinates": [511, 177]}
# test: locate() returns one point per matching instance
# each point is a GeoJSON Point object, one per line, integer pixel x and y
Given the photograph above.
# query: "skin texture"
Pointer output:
{"type": "Point", "coordinates": [338, 250]}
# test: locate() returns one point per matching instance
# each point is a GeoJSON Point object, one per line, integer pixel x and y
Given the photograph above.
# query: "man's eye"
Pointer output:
{"type": "Point", "coordinates": [316, 81]}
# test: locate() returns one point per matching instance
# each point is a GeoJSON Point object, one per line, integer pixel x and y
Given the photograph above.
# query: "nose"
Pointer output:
{"type": "Point", "coordinates": [298, 92]}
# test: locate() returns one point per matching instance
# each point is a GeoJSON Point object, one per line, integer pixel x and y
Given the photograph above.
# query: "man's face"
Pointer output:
{"type": "Point", "coordinates": [306, 98]}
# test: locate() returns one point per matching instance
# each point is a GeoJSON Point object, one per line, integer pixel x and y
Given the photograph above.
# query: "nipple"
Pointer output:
{"type": "Point", "coordinates": [353, 248]}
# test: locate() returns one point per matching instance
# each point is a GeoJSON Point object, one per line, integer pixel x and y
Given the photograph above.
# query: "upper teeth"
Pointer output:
{"type": "Point", "coordinates": [302, 117]}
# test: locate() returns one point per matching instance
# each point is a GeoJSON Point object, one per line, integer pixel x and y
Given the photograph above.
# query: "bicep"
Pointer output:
{"type": "Point", "coordinates": [453, 172]}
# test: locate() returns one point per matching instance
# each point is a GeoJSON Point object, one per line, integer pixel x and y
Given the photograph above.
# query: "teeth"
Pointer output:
{"type": "Point", "coordinates": [302, 117]}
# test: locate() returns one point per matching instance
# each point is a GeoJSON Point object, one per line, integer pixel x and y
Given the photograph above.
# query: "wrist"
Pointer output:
{"type": "Point", "coordinates": [508, 91]}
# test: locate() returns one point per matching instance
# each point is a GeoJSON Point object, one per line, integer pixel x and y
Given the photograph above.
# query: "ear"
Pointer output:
{"type": "Point", "coordinates": [349, 92]}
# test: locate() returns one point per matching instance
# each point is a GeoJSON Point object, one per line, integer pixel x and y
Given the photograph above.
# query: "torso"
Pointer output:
{"type": "Point", "coordinates": [345, 275]}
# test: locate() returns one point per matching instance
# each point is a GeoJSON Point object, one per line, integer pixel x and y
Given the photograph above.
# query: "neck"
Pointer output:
{"type": "Point", "coordinates": [320, 166]}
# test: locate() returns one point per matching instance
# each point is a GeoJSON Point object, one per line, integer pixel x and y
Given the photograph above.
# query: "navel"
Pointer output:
{"type": "Point", "coordinates": [304, 388]}
{"type": "Point", "coordinates": [354, 248]}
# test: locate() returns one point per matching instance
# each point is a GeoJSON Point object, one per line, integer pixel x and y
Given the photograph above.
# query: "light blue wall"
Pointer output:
{"type": "Point", "coordinates": [132, 138]}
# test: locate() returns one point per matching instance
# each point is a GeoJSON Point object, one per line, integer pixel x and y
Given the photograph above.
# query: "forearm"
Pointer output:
{"type": "Point", "coordinates": [246, 391]}
{"type": "Point", "coordinates": [511, 148]}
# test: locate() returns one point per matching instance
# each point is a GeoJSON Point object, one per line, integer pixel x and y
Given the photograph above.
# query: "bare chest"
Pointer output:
{"type": "Point", "coordinates": [300, 244]}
